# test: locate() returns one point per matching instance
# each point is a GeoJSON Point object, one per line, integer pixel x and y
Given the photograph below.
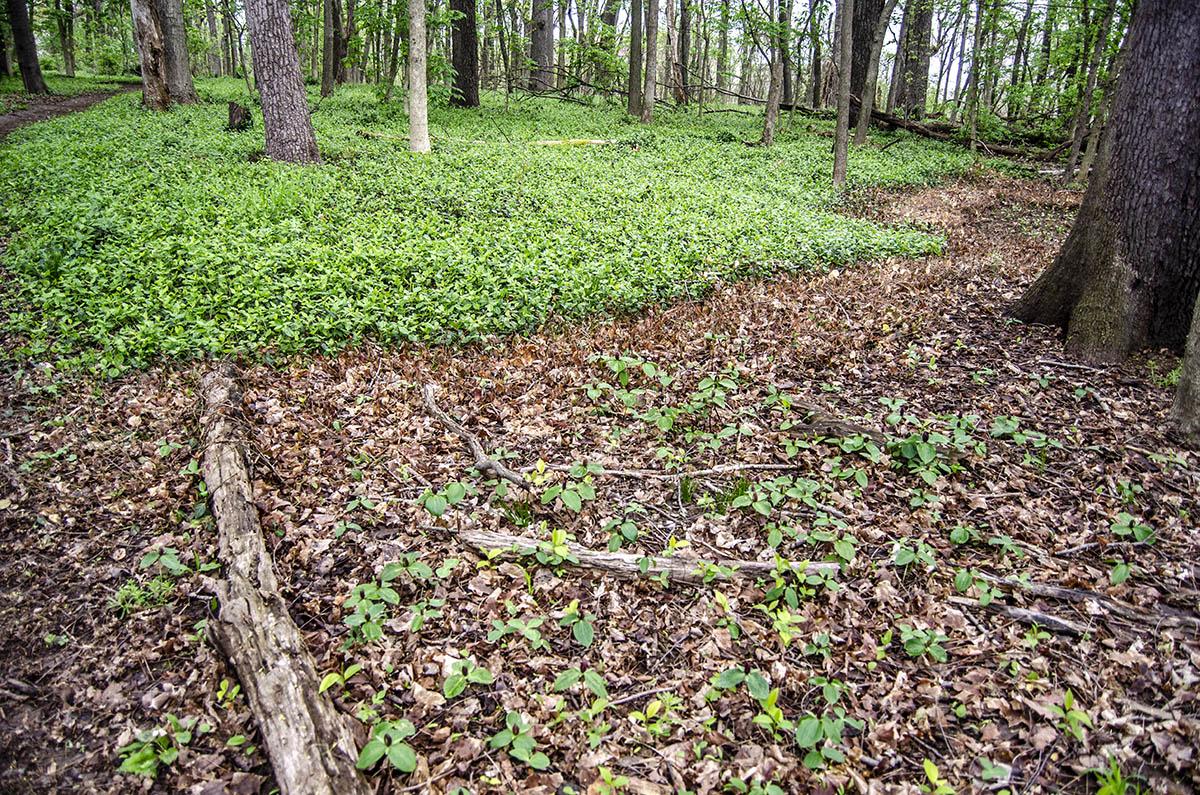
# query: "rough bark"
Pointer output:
{"type": "Point", "coordinates": [774, 93]}
{"type": "Point", "coordinates": [64, 18]}
{"type": "Point", "coordinates": [1185, 413]}
{"type": "Point", "coordinates": [896, 83]}
{"type": "Point", "coordinates": [309, 743]}
{"type": "Point", "coordinates": [867, 21]}
{"type": "Point", "coordinates": [914, 78]}
{"type": "Point", "coordinates": [418, 93]}
{"type": "Point", "coordinates": [5, 67]}
{"type": "Point", "coordinates": [286, 120]}
{"type": "Point", "coordinates": [650, 86]}
{"type": "Point", "coordinates": [1128, 274]}
{"type": "Point", "coordinates": [634, 83]}
{"type": "Point", "coordinates": [814, 37]}
{"type": "Point", "coordinates": [973, 79]}
{"type": "Point", "coordinates": [152, 54]}
{"type": "Point", "coordinates": [329, 46]}
{"type": "Point", "coordinates": [214, 35]}
{"type": "Point", "coordinates": [25, 47]}
{"type": "Point", "coordinates": [841, 136]}
{"type": "Point", "coordinates": [685, 43]}
{"type": "Point", "coordinates": [541, 43]}
{"type": "Point", "coordinates": [871, 76]}
{"type": "Point", "coordinates": [174, 34]}
{"type": "Point", "coordinates": [723, 53]}
{"type": "Point", "coordinates": [466, 55]}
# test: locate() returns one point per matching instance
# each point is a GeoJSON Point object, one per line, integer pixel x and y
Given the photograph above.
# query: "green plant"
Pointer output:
{"type": "Point", "coordinates": [556, 551]}
{"type": "Point", "coordinates": [919, 642]}
{"type": "Point", "coordinates": [936, 784]}
{"type": "Point", "coordinates": [388, 741]}
{"type": "Point", "coordinates": [1126, 525]}
{"type": "Point", "coordinates": [368, 604]}
{"type": "Point", "coordinates": [131, 597]}
{"type": "Point", "coordinates": [581, 624]}
{"type": "Point", "coordinates": [609, 784]}
{"type": "Point", "coordinates": [1112, 781]}
{"type": "Point", "coordinates": [1071, 719]}
{"type": "Point", "coordinates": [592, 680]}
{"type": "Point", "coordinates": [158, 747]}
{"type": "Point", "coordinates": [463, 673]}
{"type": "Point", "coordinates": [904, 554]}
{"type": "Point", "coordinates": [577, 488]}
{"type": "Point", "coordinates": [821, 736]}
{"type": "Point", "coordinates": [659, 717]}
{"type": "Point", "coordinates": [340, 678]}
{"type": "Point", "coordinates": [438, 502]}
{"type": "Point", "coordinates": [517, 738]}
{"type": "Point", "coordinates": [525, 628]}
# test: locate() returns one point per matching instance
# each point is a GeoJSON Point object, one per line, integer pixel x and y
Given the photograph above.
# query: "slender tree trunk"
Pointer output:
{"type": "Point", "coordinates": [685, 35]}
{"type": "Point", "coordinates": [962, 56]}
{"type": "Point", "coordinates": [723, 53]}
{"type": "Point", "coordinates": [785, 25]}
{"type": "Point", "coordinates": [542, 45]}
{"type": "Point", "coordinates": [1019, 61]}
{"type": "Point", "coordinates": [466, 51]}
{"type": "Point", "coordinates": [286, 120]}
{"type": "Point", "coordinates": [26, 48]}
{"type": "Point", "coordinates": [560, 67]}
{"type": "Point", "coordinates": [64, 20]}
{"type": "Point", "coordinates": [179, 70]}
{"type": "Point", "coordinates": [152, 54]}
{"type": "Point", "coordinates": [418, 93]}
{"type": "Point", "coordinates": [650, 86]}
{"type": "Point", "coordinates": [393, 64]}
{"type": "Point", "coordinates": [508, 72]}
{"type": "Point", "coordinates": [1185, 413]}
{"type": "Point", "coordinates": [896, 85]}
{"type": "Point", "coordinates": [841, 137]}
{"type": "Point", "coordinates": [1083, 113]}
{"type": "Point", "coordinates": [871, 78]}
{"type": "Point", "coordinates": [214, 35]}
{"type": "Point", "coordinates": [973, 79]}
{"type": "Point", "coordinates": [1128, 274]}
{"type": "Point", "coordinates": [329, 47]}
{"type": "Point", "coordinates": [634, 84]}
{"type": "Point", "coordinates": [227, 39]}
{"type": "Point", "coordinates": [5, 66]}
{"type": "Point", "coordinates": [774, 84]}
{"type": "Point", "coordinates": [814, 37]}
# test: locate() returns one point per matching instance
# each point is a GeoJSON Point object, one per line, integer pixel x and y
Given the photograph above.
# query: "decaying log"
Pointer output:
{"type": "Point", "coordinates": [482, 462]}
{"type": "Point", "coordinates": [628, 566]}
{"type": "Point", "coordinates": [309, 743]}
{"type": "Point", "coordinates": [239, 117]}
{"type": "Point", "coordinates": [880, 117]}
{"type": "Point", "coordinates": [1163, 617]}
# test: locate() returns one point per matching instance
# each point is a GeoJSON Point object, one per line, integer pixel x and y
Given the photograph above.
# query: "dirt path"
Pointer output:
{"type": "Point", "coordinates": [43, 108]}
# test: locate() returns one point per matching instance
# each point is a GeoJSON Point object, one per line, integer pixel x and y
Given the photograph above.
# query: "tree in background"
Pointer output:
{"type": "Point", "coordinates": [174, 33]}
{"type": "Point", "coordinates": [418, 93]}
{"type": "Point", "coordinates": [541, 49]}
{"type": "Point", "coordinates": [465, 48]}
{"type": "Point", "coordinates": [841, 136]}
{"type": "Point", "coordinates": [650, 88]}
{"type": "Point", "coordinates": [634, 85]}
{"type": "Point", "coordinates": [871, 75]}
{"type": "Point", "coordinates": [26, 47]}
{"type": "Point", "coordinates": [286, 120]}
{"type": "Point", "coordinates": [152, 54]}
{"type": "Point", "coordinates": [1129, 273]}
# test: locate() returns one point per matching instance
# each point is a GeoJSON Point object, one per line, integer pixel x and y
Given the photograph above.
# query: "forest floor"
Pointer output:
{"type": "Point", "coordinates": [35, 109]}
{"type": "Point", "coordinates": [971, 473]}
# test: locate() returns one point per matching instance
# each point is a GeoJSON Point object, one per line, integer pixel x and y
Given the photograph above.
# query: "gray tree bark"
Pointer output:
{"type": "Point", "coordinates": [841, 136]}
{"type": "Point", "coordinates": [418, 92]}
{"type": "Point", "coordinates": [541, 45]}
{"type": "Point", "coordinates": [286, 120]}
{"type": "Point", "coordinates": [650, 86]}
{"type": "Point", "coordinates": [1185, 412]}
{"type": "Point", "coordinates": [152, 54]}
{"type": "Point", "coordinates": [174, 33]}
{"type": "Point", "coordinates": [871, 77]}
{"type": "Point", "coordinates": [634, 84]}
{"type": "Point", "coordinates": [26, 48]}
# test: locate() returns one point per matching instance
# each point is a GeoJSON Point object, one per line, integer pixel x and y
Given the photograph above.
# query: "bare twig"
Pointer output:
{"type": "Point", "coordinates": [482, 462]}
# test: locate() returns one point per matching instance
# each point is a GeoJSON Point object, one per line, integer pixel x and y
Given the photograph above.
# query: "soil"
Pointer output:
{"type": "Point", "coordinates": [1063, 460]}
{"type": "Point", "coordinates": [41, 108]}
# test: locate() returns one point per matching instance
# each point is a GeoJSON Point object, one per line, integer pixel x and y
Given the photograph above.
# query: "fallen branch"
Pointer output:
{"type": "Point", "coordinates": [1140, 617]}
{"type": "Point", "coordinates": [926, 131]}
{"type": "Point", "coordinates": [482, 462]}
{"type": "Point", "coordinates": [623, 564]}
{"type": "Point", "coordinates": [545, 142]}
{"type": "Point", "coordinates": [1053, 623]}
{"type": "Point", "coordinates": [309, 743]}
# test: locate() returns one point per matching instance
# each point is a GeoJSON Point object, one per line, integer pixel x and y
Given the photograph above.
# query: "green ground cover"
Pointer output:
{"type": "Point", "coordinates": [13, 96]}
{"type": "Point", "coordinates": [135, 236]}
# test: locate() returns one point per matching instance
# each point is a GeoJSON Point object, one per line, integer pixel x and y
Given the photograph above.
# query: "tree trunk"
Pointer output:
{"type": "Point", "coordinates": [650, 86]}
{"type": "Point", "coordinates": [814, 37]}
{"type": "Point", "coordinates": [785, 26]}
{"type": "Point", "coordinates": [286, 120]}
{"type": "Point", "coordinates": [871, 76]}
{"type": "Point", "coordinates": [634, 84]}
{"type": "Point", "coordinates": [896, 84]}
{"type": "Point", "coordinates": [841, 137]}
{"type": "Point", "coordinates": [65, 22]}
{"type": "Point", "coordinates": [1083, 113]}
{"type": "Point", "coordinates": [1185, 413]}
{"type": "Point", "coordinates": [152, 54]}
{"type": "Point", "coordinates": [174, 32]}
{"type": "Point", "coordinates": [329, 46]}
{"type": "Point", "coordinates": [541, 41]}
{"type": "Point", "coordinates": [418, 93]}
{"type": "Point", "coordinates": [1019, 61]}
{"type": "Point", "coordinates": [867, 16]}
{"type": "Point", "coordinates": [26, 48]}
{"type": "Point", "coordinates": [685, 36]}
{"type": "Point", "coordinates": [723, 53]}
{"type": "Point", "coordinates": [915, 76]}
{"type": "Point", "coordinates": [775, 84]}
{"type": "Point", "coordinates": [1128, 274]}
{"type": "Point", "coordinates": [466, 55]}
{"type": "Point", "coordinates": [214, 52]}
{"type": "Point", "coordinates": [973, 79]}
{"type": "Point", "coordinates": [608, 40]}
{"type": "Point", "coordinates": [5, 66]}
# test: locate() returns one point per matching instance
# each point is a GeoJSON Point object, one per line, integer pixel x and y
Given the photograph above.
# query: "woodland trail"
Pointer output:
{"type": "Point", "coordinates": [51, 107]}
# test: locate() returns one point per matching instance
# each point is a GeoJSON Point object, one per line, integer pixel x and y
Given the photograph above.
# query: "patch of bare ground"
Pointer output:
{"type": "Point", "coordinates": [1036, 462]}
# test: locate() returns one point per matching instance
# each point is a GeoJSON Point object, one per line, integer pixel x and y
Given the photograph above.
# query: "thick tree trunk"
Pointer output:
{"type": "Point", "coordinates": [418, 93]}
{"type": "Point", "coordinates": [541, 42]}
{"type": "Point", "coordinates": [26, 47]}
{"type": "Point", "coordinates": [1129, 272]}
{"type": "Point", "coordinates": [867, 16]}
{"type": "Point", "coordinates": [286, 120]}
{"type": "Point", "coordinates": [650, 86]}
{"type": "Point", "coordinates": [152, 54]}
{"type": "Point", "coordinates": [466, 55]}
{"type": "Point", "coordinates": [841, 136]}
{"type": "Point", "coordinates": [871, 76]}
{"type": "Point", "coordinates": [914, 79]}
{"type": "Point", "coordinates": [1185, 413]}
{"type": "Point", "coordinates": [634, 83]}
{"type": "Point", "coordinates": [174, 32]}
